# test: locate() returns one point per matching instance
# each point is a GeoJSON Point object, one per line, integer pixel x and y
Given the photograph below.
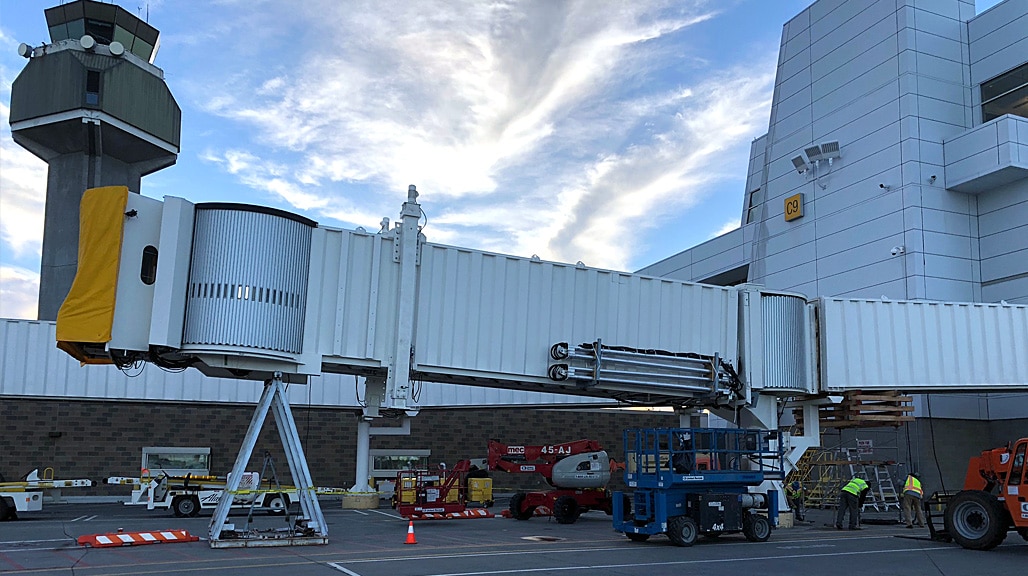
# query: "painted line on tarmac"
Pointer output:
{"type": "Point", "coordinates": [343, 570]}
{"type": "Point", "coordinates": [8, 542]}
{"type": "Point", "coordinates": [679, 562]}
{"type": "Point", "coordinates": [388, 515]}
{"type": "Point", "coordinates": [359, 512]}
{"type": "Point", "coordinates": [84, 518]}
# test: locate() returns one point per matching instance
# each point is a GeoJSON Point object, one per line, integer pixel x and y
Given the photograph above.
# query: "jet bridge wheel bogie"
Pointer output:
{"type": "Point", "coordinates": [682, 531]}
{"type": "Point", "coordinates": [186, 506]}
{"type": "Point", "coordinates": [975, 520]}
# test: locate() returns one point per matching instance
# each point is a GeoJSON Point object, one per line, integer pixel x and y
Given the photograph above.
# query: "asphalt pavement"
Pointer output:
{"type": "Point", "coordinates": [372, 543]}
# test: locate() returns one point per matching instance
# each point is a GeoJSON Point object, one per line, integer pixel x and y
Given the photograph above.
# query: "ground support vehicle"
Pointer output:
{"type": "Point", "coordinates": [578, 471]}
{"type": "Point", "coordinates": [27, 495]}
{"type": "Point", "coordinates": [699, 481]}
{"type": "Point", "coordinates": [439, 494]}
{"type": "Point", "coordinates": [187, 495]}
{"type": "Point", "coordinates": [993, 502]}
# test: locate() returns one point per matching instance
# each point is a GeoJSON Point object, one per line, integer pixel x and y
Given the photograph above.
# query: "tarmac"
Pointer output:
{"type": "Point", "coordinates": [372, 543]}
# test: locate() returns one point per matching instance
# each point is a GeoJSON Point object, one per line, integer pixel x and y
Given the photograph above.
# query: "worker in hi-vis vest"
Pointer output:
{"type": "Point", "coordinates": [912, 496]}
{"type": "Point", "coordinates": [851, 498]}
{"type": "Point", "coordinates": [796, 495]}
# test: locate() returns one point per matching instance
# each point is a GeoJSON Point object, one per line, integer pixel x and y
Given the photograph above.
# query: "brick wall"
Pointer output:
{"type": "Point", "coordinates": [86, 439]}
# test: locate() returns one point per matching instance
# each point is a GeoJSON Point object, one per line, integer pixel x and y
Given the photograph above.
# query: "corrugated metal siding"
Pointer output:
{"type": "Point", "coordinates": [247, 281]}
{"type": "Point", "coordinates": [357, 307]}
{"type": "Point", "coordinates": [785, 349]}
{"type": "Point", "coordinates": [498, 314]}
{"type": "Point", "coordinates": [874, 344]}
{"type": "Point", "coordinates": [32, 366]}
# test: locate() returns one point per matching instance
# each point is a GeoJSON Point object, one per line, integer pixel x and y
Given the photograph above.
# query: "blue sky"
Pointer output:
{"type": "Point", "coordinates": [615, 133]}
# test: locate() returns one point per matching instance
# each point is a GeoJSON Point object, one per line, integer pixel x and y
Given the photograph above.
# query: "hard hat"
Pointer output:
{"type": "Point", "coordinates": [795, 485]}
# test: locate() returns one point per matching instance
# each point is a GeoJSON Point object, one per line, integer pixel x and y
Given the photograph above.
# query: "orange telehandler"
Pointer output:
{"type": "Point", "coordinates": [994, 499]}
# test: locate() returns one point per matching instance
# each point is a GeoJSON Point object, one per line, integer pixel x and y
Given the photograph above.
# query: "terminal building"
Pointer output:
{"type": "Point", "coordinates": [895, 165]}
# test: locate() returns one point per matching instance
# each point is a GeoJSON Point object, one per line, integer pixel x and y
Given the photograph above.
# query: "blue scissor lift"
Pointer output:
{"type": "Point", "coordinates": [696, 481]}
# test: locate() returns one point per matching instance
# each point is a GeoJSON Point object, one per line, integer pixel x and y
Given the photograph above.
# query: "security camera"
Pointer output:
{"type": "Point", "coordinates": [894, 251]}
{"type": "Point", "coordinates": [932, 179]}
{"type": "Point", "coordinates": [885, 186]}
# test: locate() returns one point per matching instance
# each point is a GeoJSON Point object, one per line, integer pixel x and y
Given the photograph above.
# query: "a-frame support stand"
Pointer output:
{"type": "Point", "coordinates": [310, 526]}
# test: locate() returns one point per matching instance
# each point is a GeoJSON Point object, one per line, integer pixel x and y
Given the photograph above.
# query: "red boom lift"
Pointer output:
{"type": "Point", "coordinates": [578, 471]}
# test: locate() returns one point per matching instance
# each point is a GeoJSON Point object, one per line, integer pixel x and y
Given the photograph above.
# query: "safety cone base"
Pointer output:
{"type": "Point", "coordinates": [136, 538]}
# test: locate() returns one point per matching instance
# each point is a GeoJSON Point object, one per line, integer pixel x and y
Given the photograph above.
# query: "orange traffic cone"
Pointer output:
{"type": "Point", "coordinates": [410, 534]}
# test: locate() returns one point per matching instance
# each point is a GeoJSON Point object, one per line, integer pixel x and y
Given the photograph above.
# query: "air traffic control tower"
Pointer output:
{"type": "Point", "coordinates": [93, 106]}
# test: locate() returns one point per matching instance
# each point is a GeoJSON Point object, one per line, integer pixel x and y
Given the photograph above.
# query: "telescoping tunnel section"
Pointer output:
{"type": "Point", "coordinates": [258, 294]}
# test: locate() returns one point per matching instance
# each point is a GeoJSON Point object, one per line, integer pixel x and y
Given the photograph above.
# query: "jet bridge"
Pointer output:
{"type": "Point", "coordinates": [255, 293]}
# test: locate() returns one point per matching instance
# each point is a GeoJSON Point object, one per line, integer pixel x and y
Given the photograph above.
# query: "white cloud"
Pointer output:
{"type": "Point", "coordinates": [19, 290]}
{"type": "Point", "coordinates": [515, 121]}
{"type": "Point", "coordinates": [726, 228]}
{"type": "Point", "coordinates": [23, 181]}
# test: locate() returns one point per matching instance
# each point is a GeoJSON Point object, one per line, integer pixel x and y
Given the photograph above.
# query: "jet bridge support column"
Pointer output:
{"type": "Point", "coordinates": [406, 246]}
{"type": "Point", "coordinates": [310, 528]}
{"type": "Point", "coordinates": [363, 455]}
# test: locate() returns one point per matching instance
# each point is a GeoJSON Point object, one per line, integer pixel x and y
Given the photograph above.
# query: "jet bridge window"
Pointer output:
{"type": "Point", "coordinates": [1006, 94]}
{"type": "Point", "coordinates": [148, 266]}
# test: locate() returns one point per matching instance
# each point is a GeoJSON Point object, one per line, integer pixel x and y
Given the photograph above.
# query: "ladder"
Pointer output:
{"type": "Point", "coordinates": [883, 490]}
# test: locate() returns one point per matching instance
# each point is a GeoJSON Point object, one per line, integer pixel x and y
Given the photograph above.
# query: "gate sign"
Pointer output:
{"type": "Point", "coordinates": [794, 207]}
{"type": "Point", "coordinates": [865, 447]}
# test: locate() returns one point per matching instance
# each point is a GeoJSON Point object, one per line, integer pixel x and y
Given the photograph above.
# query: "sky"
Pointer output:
{"type": "Point", "coordinates": [615, 133]}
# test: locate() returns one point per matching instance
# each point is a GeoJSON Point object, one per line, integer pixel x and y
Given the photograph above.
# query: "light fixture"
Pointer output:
{"type": "Point", "coordinates": [800, 164]}
{"type": "Point", "coordinates": [830, 150]}
{"type": "Point", "coordinates": [87, 42]}
{"type": "Point", "coordinates": [813, 153]}
{"type": "Point", "coordinates": [117, 49]}
{"type": "Point", "coordinates": [24, 50]}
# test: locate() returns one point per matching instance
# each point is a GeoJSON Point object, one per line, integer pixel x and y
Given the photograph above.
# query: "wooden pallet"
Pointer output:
{"type": "Point", "coordinates": [865, 410]}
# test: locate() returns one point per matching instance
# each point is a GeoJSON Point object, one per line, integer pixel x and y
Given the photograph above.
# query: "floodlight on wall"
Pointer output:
{"type": "Point", "coordinates": [800, 164]}
{"type": "Point", "coordinates": [24, 50]}
{"type": "Point", "coordinates": [87, 42]}
{"type": "Point", "coordinates": [830, 150]}
{"type": "Point", "coordinates": [813, 153]}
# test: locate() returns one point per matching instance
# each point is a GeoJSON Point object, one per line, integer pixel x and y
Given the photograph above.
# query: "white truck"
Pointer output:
{"type": "Point", "coordinates": [187, 495]}
{"type": "Point", "coordinates": [27, 495]}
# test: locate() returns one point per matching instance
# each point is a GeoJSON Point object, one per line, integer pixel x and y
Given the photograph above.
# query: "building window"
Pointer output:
{"type": "Point", "coordinates": [93, 87]}
{"type": "Point", "coordinates": [1006, 94]}
{"type": "Point", "coordinates": [752, 205]}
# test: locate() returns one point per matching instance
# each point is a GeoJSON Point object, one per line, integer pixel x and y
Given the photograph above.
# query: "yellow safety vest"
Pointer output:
{"type": "Point", "coordinates": [855, 486]}
{"type": "Point", "coordinates": [913, 487]}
